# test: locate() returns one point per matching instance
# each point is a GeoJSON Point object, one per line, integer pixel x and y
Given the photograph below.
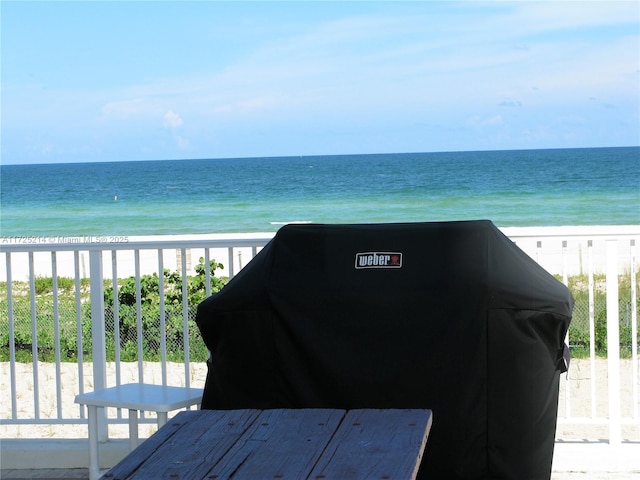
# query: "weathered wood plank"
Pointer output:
{"type": "Point", "coordinates": [197, 448]}
{"type": "Point", "coordinates": [281, 444]}
{"type": "Point", "coordinates": [376, 444]}
{"type": "Point", "coordinates": [123, 469]}
{"type": "Point", "coordinates": [193, 443]}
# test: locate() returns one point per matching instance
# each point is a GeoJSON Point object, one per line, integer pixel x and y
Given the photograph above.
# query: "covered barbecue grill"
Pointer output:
{"type": "Point", "coordinates": [450, 316]}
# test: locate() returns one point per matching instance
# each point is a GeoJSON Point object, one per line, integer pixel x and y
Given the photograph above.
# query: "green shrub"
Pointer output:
{"type": "Point", "coordinates": [150, 314]}
{"type": "Point", "coordinates": [579, 330]}
{"type": "Point", "coordinates": [44, 285]}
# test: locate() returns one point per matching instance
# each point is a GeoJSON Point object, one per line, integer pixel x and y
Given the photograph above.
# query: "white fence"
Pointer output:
{"type": "Point", "coordinates": [48, 399]}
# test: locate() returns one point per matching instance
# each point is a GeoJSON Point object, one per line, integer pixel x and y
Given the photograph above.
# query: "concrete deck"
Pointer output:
{"type": "Point", "coordinates": [46, 474]}
{"type": "Point", "coordinates": [572, 461]}
{"type": "Point", "coordinates": [596, 461]}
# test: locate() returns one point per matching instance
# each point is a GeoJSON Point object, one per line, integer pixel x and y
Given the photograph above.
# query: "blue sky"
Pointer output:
{"type": "Point", "coordinates": [110, 81]}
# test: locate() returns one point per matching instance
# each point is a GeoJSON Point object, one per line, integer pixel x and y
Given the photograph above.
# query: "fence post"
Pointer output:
{"type": "Point", "coordinates": [613, 342]}
{"type": "Point", "coordinates": [634, 329]}
{"type": "Point", "coordinates": [98, 347]}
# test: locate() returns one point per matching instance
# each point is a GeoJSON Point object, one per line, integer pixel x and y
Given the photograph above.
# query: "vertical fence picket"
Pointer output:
{"type": "Point", "coordinates": [230, 260]}
{"type": "Point", "coordinates": [115, 312]}
{"type": "Point", "coordinates": [12, 339]}
{"type": "Point", "coordinates": [34, 338]}
{"type": "Point", "coordinates": [139, 332]}
{"type": "Point", "coordinates": [162, 319]}
{"type": "Point", "coordinates": [115, 306]}
{"type": "Point", "coordinates": [98, 338]}
{"type": "Point", "coordinates": [634, 329]}
{"type": "Point", "coordinates": [613, 342]}
{"type": "Point", "coordinates": [185, 319]}
{"type": "Point", "coordinates": [79, 326]}
{"type": "Point", "coordinates": [56, 331]}
{"type": "Point", "coordinates": [207, 272]}
{"type": "Point", "coordinates": [592, 330]}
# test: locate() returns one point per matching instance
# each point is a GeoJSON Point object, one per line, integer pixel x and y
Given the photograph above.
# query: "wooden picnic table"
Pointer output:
{"type": "Point", "coordinates": [282, 444]}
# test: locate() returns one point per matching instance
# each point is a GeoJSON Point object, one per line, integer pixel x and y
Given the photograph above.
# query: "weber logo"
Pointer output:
{"type": "Point", "coordinates": [378, 260]}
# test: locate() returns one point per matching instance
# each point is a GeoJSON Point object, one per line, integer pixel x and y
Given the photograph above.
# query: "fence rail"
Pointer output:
{"type": "Point", "coordinates": [602, 259]}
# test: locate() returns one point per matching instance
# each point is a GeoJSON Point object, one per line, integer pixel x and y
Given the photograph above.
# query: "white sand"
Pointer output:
{"type": "Point", "coordinates": [580, 404]}
{"type": "Point", "coordinates": [579, 387]}
{"type": "Point", "coordinates": [69, 388]}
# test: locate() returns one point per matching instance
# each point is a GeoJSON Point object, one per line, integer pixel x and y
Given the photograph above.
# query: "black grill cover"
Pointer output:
{"type": "Point", "coordinates": [448, 316]}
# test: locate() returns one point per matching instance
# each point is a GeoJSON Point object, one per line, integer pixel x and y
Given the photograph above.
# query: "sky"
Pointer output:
{"type": "Point", "coordinates": [88, 81]}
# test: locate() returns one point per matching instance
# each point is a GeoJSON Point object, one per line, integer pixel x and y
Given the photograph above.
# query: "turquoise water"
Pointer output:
{"type": "Point", "coordinates": [598, 186]}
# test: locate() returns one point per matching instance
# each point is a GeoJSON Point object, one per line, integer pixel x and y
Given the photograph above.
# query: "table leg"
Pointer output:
{"type": "Point", "coordinates": [162, 418]}
{"type": "Point", "coordinates": [133, 429]}
{"type": "Point", "coordinates": [94, 464]}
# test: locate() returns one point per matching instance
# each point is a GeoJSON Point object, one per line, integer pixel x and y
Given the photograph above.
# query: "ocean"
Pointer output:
{"type": "Point", "coordinates": [592, 186]}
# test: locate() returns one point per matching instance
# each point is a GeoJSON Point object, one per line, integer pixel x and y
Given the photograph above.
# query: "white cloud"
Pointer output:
{"type": "Point", "coordinates": [172, 119]}
{"type": "Point", "coordinates": [550, 15]}
{"type": "Point", "coordinates": [183, 143]}
{"type": "Point", "coordinates": [124, 108]}
{"type": "Point", "coordinates": [257, 103]}
{"type": "Point", "coordinates": [486, 122]}
{"type": "Point", "coordinates": [510, 103]}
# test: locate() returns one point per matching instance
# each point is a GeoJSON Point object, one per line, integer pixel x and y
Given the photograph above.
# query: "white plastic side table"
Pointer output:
{"type": "Point", "coordinates": [134, 397]}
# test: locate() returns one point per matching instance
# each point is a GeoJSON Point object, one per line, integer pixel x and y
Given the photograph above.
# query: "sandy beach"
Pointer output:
{"type": "Point", "coordinates": [579, 403]}
{"type": "Point", "coordinates": [66, 408]}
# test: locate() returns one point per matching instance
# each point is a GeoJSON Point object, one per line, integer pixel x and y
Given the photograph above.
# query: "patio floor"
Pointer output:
{"type": "Point", "coordinates": [46, 474]}
{"type": "Point", "coordinates": [572, 461]}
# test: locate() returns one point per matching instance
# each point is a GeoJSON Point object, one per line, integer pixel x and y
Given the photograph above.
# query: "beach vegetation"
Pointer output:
{"type": "Point", "coordinates": [142, 317]}
{"type": "Point", "coordinates": [138, 309]}
{"type": "Point", "coordinates": [43, 285]}
{"type": "Point", "coordinates": [582, 323]}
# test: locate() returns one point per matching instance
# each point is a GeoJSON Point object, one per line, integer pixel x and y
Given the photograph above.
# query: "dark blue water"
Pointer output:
{"type": "Point", "coordinates": [598, 186]}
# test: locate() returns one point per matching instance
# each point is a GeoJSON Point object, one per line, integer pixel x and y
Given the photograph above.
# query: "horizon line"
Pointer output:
{"type": "Point", "coordinates": [253, 157]}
